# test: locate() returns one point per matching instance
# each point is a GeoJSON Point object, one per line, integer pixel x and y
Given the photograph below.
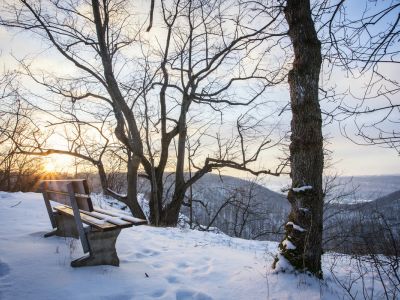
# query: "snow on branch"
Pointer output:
{"type": "Point", "coordinates": [302, 188]}
{"type": "Point", "coordinates": [295, 226]}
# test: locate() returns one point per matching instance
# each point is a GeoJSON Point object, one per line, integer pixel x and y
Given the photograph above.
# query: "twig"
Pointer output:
{"type": "Point", "coordinates": [16, 204]}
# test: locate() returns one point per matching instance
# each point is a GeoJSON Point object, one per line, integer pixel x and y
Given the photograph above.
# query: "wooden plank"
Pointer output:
{"type": "Point", "coordinates": [133, 220]}
{"type": "Point", "coordinates": [86, 187]}
{"type": "Point", "coordinates": [48, 206]}
{"type": "Point", "coordinates": [110, 219]}
{"type": "Point", "coordinates": [82, 188]}
{"type": "Point", "coordinates": [66, 194]}
{"type": "Point", "coordinates": [62, 180]}
{"type": "Point", "coordinates": [89, 220]}
{"type": "Point", "coordinates": [61, 185]}
{"type": "Point", "coordinates": [77, 217]}
{"type": "Point", "coordinates": [57, 190]}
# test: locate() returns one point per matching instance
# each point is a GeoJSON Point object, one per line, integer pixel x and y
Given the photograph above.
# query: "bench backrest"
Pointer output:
{"type": "Point", "coordinates": [72, 192]}
{"type": "Point", "coordinates": [57, 190]}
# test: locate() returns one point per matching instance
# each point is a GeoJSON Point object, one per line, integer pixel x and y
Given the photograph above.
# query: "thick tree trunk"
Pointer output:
{"type": "Point", "coordinates": [131, 201]}
{"type": "Point", "coordinates": [103, 178]}
{"type": "Point", "coordinates": [170, 213]}
{"type": "Point", "coordinates": [156, 196]}
{"type": "Point", "coordinates": [302, 245]}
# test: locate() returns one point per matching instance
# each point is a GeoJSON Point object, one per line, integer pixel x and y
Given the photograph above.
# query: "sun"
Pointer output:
{"type": "Point", "coordinates": [49, 167]}
{"type": "Point", "coordinates": [57, 163]}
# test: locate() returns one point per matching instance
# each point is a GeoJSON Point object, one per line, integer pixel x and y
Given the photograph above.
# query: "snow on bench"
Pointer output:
{"type": "Point", "coordinates": [76, 209]}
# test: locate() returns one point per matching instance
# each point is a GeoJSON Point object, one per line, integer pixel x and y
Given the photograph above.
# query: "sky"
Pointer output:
{"type": "Point", "coordinates": [349, 158]}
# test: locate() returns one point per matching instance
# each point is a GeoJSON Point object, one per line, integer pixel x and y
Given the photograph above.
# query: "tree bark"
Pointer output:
{"type": "Point", "coordinates": [132, 178]}
{"type": "Point", "coordinates": [103, 178]}
{"type": "Point", "coordinates": [304, 229]}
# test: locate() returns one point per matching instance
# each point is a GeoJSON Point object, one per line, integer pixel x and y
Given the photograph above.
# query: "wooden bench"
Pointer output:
{"type": "Point", "coordinates": [102, 228]}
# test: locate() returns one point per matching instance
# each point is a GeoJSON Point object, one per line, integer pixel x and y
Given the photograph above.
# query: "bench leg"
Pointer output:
{"type": "Point", "coordinates": [102, 249]}
{"type": "Point", "coordinates": [66, 227]}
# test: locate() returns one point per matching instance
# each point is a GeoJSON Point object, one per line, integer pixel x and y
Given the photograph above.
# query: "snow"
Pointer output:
{"type": "Point", "coordinates": [117, 218]}
{"type": "Point", "coordinates": [282, 265]}
{"type": "Point", "coordinates": [97, 221]}
{"type": "Point", "coordinates": [155, 263]}
{"type": "Point", "coordinates": [288, 244]}
{"type": "Point", "coordinates": [117, 194]}
{"type": "Point", "coordinates": [302, 188]}
{"type": "Point", "coordinates": [113, 220]}
{"type": "Point", "coordinates": [295, 226]}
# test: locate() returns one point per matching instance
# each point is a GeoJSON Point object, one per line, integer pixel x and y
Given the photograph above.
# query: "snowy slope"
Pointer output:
{"type": "Point", "coordinates": [180, 264]}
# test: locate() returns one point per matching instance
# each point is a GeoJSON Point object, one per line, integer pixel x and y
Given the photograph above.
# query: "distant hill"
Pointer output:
{"type": "Point", "coordinates": [368, 227]}
{"type": "Point", "coordinates": [255, 212]}
{"type": "Point", "coordinates": [385, 203]}
{"type": "Point", "coordinates": [236, 206]}
{"type": "Point", "coordinates": [367, 188]}
{"type": "Point", "coordinates": [246, 209]}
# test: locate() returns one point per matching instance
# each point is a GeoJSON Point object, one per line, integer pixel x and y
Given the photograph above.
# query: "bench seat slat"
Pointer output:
{"type": "Point", "coordinates": [87, 219]}
{"type": "Point", "coordinates": [110, 219]}
{"type": "Point", "coordinates": [133, 220]}
{"type": "Point", "coordinates": [77, 195]}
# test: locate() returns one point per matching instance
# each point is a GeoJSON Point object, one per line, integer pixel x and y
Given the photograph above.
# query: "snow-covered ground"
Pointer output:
{"type": "Point", "coordinates": [155, 263]}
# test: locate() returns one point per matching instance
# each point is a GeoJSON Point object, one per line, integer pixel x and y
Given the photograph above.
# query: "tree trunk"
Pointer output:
{"type": "Point", "coordinates": [132, 176]}
{"type": "Point", "coordinates": [304, 229]}
{"type": "Point", "coordinates": [170, 213]}
{"type": "Point", "coordinates": [156, 195]}
{"type": "Point", "coordinates": [103, 178]}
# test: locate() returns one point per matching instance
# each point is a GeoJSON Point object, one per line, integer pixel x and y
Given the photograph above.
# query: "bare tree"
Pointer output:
{"type": "Point", "coordinates": [374, 258]}
{"type": "Point", "coordinates": [238, 208]}
{"type": "Point", "coordinates": [207, 52]}
{"type": "Point", "coordinates": [17, 172]}
{"type": "Point", "coordinates": [302, 245]}
{"type": "Point", "coordinates": [364, 43]}
{"type": "Point", "coordinates": [361, 46]}
{"type": "Point", "coordinates": [85, 138]}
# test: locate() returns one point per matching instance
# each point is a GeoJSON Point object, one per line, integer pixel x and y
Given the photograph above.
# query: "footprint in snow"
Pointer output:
{"type": "Point", "coordinates": [4, 269]}
{"type": "Point", "coordinates": [158, 293]}
{"type": "Point", "coordinates": [147, 253]}
{"type": "Point", "coordinates": [156, 265]}
{"type": "Point", "coordinates": [184, 294]}
{"type": "Point", "coordinates": [118, 297]}
{"type": "Point", "coordinates": [183, 265]}
{"type": "Point", "coordinates": [203, 270]}
{"type": "Point", "coordinates": [172, 279]}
